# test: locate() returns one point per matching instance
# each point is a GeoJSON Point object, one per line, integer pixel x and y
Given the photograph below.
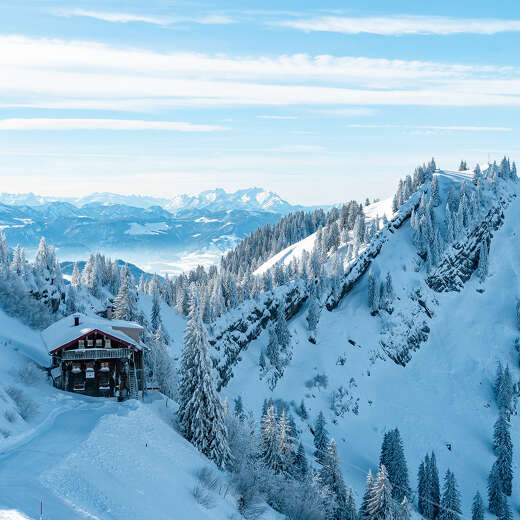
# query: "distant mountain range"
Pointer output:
{"type": "Point", "coordinates": [251, 199]}
{"type": "Point", "coordinates": [163, 235]}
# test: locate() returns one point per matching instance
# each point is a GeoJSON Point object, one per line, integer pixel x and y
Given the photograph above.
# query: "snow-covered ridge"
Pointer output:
{"type": "Point", "coordinates": [251, 199]}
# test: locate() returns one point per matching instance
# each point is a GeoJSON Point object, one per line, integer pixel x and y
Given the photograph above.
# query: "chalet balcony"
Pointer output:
{"type": "Point", "coordinates": [94, 353]}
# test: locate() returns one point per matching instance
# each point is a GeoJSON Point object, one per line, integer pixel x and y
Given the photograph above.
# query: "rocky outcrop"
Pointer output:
{"type": "Point", "coordinates": [232, 333]}
{"type": "Point", "coordinates": [461, 260]}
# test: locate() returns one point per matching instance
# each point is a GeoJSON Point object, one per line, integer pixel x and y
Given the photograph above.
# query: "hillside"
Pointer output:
{"type": "Point", "coordinates": [442, 398]}
{"type": "Point", "coordinates": [93, 458]}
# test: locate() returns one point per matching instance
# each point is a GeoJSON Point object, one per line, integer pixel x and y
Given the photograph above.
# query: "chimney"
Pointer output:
{"type": "Point", "coordinates": [76, 321]}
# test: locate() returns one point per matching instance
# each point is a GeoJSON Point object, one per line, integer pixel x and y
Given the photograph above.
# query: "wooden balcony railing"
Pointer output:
{"type": "Point", "coordinates": [94, 353]}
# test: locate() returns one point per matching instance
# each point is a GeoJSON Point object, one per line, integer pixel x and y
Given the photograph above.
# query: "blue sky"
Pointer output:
{"type": "Point", "coordinates": [317, 101]}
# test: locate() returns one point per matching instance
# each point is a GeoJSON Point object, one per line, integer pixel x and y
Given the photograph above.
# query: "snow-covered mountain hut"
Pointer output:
{"type": "Point", "coordinates": [95, 356]}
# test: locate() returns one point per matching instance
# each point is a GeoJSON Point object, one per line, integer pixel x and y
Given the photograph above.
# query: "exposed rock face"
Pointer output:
{"type": "Point", "coordinates": [407, 328]}
{"type": "Point", "coordinates": [233, 333]}
{"type": "Point", "coordinates": [461, 261]}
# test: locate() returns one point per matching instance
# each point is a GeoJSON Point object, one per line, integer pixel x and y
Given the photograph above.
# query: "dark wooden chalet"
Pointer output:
{"type": "Point", "coordinates": [95, 356]}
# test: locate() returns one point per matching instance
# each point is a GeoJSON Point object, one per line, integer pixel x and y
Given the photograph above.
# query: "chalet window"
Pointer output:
{"type": "Point", "coordinates": [104, 366]}
{"type": "Point", "coordinates": [76, 368]}
{"type": "Point", "coordinates": [89, 372]}
{"type": "Point", "coordinates": [81, 343]}
{"type": "Point", "coordinates": [90, 343]}
{"type": "Point", "coordinates": [99, 342]}
{"type": "Point", "coordinates": [80, 386]}
{"type": "Point", "coordinates": [108, 343]}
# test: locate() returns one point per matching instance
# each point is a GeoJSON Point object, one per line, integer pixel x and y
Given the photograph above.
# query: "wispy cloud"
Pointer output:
{"type": "Point", "coordinates": [276, 117]}
{"type": "Point", "coordinates": [102, 124]}
{"type": "Point", "coordinates": [88, 75]}
{"type": "Point", "coordinates": [347, 112]}
{"type": "Point", "coordinates": [438, 128]}
{"type": "Point", "coordinates": [119, 17]}
{"type": "Point", "coordinates": [401, 25]}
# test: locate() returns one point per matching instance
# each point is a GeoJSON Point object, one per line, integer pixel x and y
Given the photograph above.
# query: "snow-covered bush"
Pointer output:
{"type": "Point", "coordinates": [26, 407]}
{"type": "Point", "coordinates": [318, 381]}
{"type": "Point", "coordinates": [31, 375]}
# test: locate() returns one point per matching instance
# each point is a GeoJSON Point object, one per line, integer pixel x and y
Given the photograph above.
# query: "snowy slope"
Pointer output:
{"type": "Point", "coordinates": [443, 395]}
{"type": "Point", "coordinates": [93, 458]}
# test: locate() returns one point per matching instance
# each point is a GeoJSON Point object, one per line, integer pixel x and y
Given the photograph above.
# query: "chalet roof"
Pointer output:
{"type": "Point", "coordinates": [64, 331]}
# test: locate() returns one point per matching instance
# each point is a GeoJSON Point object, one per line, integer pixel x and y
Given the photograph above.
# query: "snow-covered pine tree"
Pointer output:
{"type": "Point", "coordinates": [435, 488]}
{"type": "Point", "coordinates": [331, 479]}
{"type": "Point", "coordinates": [285, 445]}
{"type": "Point", "coordinates": [4, 256]}
{"type": "Point", "coordinates": [47, 274]}
{"type": "Point", "coordinates": [351, 512]}
{"type": "Point", "coordinates": [502, 434]}
{"type": "Point", "coordinates": [436, 198]}
{"type": "Point", "coordinates": [477, 174]}
{"type": "Point", "coordinates": [161, 365]}
{"type": "Point", "coordinates": [200, 413]}
{"type": "Point", "coordinates": [506, 512]}
{"type": "Point", "coordinates": [301, 467]}
{"type": "Point", "coordinates": [477, 507]}
{"type": "Point", "coordinates": [321, 439]}
{"type": "Point", "coordinates": [381, 505]}
{"type": "Point", "coordinates": [450, 501]}
{"type": "Point", "coordinates": [155, 315]}
{"type": "Point", "coordinates": [495, 501]}
{"type": "Point", "coordinates": [313, 312]}
{"type": "Point", "coordinates": [392, 457]}
{"type": "Point", "coordinates": [421, 488]}
{"type": "Point", "coordinates": [75, 280]}
{"type": "Point", "coordinates": [269, 451]}
{"type": "Point", "coordinates": [124, 304]}
{"type": "Point", "coordinates": [359, 232]}
{"type": "Point", "coordinates": [505, 468]}
{"type": "Point", "coordinates": [363, 510]}
{"type": "Point", "coordinates": [239, 408]}
{"type": "Point", "coordinates": [404, 512]}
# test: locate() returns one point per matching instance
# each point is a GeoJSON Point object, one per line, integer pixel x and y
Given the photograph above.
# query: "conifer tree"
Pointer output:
{"type": "Point", "coordinates": [477, 508]}
{"type": "Point", "coordinates": [321, 439]}
{"type": "Point", "coordinates": [421, 488]}
{"type": "Point", "coordinates": [495, 501]}
{"type": "Point", "coordinates": [450, 501]}
{"type": "Point", "coordinates": [505, 468]}
{"type": "Point", "coordinates": [331, 478]}
{"type": "Point", "coordinates": [363, 510]}
{"type": "Point", "coordinates": [436, 198]}
{"type": "Point", "coordinates": [405, 513]}
{"type": "Point", "coordinates": [301, 467]}
{"type": "Point", "coordinates": [351, 512]}
{"type": "Point", "coordinates": [200, 413]}
{"type": "Point", "coordinates": [75, 281]}
{"type": "Point", "coordinates": [269, 439]}
{"type": "Point", "coordinates": [239, 408]}
{"type": "Point", "coordinates": [313, 313]}
{"type": "Point", "coordinates": [435, 489]}
{"type": "Point", "coordinates": [392, 457]}
{"type": "Point", "coordinates": [155, 316]}
{"type": "Point", "coordinates": [381, 505]}
{"type": "Point", "coordinates": [124, 304]}
{"type": "Point", "coordinates": [505, 511]}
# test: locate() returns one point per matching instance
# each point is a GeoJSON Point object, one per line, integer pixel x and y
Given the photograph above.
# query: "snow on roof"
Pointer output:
{"type": "Point", "coordinates": [64, 331]}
